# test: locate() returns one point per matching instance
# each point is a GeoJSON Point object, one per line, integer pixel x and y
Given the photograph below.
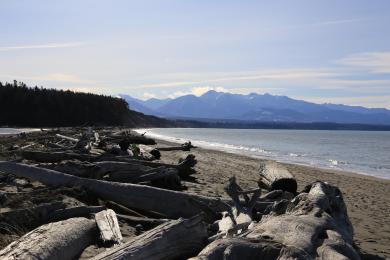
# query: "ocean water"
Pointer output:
{"type": "Point", "coordinates": [6, 131]}
{"type": "Point", "coordinates": [364, 152]}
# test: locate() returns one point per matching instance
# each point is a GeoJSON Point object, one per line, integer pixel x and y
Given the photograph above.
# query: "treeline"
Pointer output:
{"type": "Point", "coordinates": [39, 107]}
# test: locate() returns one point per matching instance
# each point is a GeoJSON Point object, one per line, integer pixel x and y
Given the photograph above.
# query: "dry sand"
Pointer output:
{"type": "Point", "coordinates": [367, 198]}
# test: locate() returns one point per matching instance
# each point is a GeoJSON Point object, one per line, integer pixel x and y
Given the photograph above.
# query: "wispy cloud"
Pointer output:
{"type": "Point", "coordinates": [42, 46]}
{"type": "Point", "coordinates": [374, 62]}
{"type": "Point", "coordinates": [53, 77]}
{"type": "Point", "coordinates": [337, 22]}
{"type": "Point", "coordinates": [275, 74]}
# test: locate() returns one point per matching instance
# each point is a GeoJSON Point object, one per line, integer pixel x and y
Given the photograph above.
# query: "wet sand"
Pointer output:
{"type": "Point", "coordinates": [367, 198]}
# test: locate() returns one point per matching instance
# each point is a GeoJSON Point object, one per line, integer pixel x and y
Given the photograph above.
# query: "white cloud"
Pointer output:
{"type": "Point", "coordinates": [148, 95]}
{"type": "Point", "coordinates": [197, 91]}
{"type": "Point", "coordinates": [42, 46]}
{"type": "Point", "coordinates": [270, 74]}
{"type": "Point", "coordinates": [374, 62]}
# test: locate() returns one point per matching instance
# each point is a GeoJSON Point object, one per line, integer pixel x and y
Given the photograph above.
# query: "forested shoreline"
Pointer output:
{"type": "Point", "coordinates": [21, 105]}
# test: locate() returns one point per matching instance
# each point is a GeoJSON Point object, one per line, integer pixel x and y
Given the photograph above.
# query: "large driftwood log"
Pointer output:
{"type": "Point", "coordinates": [130, 195]}
{"type": "Point", "coordinates": [171, 240]}
{"type": "Point", "coordinates": [314, 225]}
{"type": "Point", "coordinates": [62, 240]}
{"type": "Point", "coordinates": [274, 176]}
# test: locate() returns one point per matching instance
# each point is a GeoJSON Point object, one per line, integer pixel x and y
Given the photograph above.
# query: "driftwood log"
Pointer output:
{"type": "Point", "coordinates": [314, 225]}
{"type": "Point", "coordinates": [130, 195]}
{"type": "Point", "coordinates": [62, 240]}
{"type": "Point", "coordinates": [171, 240]}
{"type": "Point", "coordinates": [274, 176]}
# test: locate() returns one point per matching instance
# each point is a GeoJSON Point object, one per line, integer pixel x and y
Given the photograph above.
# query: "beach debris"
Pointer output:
{"type": "Point", "coordinates": [72, 192]}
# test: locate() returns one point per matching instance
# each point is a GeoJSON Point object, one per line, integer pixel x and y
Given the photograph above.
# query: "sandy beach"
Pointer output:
{"type": "Point", "coordinates": [367, 198]}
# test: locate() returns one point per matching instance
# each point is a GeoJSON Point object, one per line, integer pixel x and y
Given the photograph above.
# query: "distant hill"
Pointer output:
{"type": "Point", "coordinates": [40, 107]}
{"type": "Point", "coordinates": [258, 108]}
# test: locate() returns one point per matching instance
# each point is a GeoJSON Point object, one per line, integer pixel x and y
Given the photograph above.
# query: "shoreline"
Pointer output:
{"type": "Point", "coordinates": [367, 197]}
{"type": "Point", "coordinates": [174, 140]}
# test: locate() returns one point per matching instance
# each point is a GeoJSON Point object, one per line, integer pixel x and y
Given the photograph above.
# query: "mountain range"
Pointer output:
{"type": "Point", "coordinates": [256, 108]}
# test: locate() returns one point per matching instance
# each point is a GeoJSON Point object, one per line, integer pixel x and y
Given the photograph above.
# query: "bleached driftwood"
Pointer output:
{"type": "Point", "coordinates": [62, 240]}
{"type": "Point", "coordinates": [240, 215]}
{"type": "Point", "coordinates": [108, 226]}
{"type": "Point", "coordinates": [130, 195]}
{"type": "Point", "coordinates": [314, 225]}
{"type": "Point", "coordinates": [171, 240]}
{"type": "Point", "coordinates": [274, 176]}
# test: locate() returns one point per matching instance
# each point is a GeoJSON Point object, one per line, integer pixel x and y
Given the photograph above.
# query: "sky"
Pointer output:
{"type": "Point", "coordinates": [321, 51]}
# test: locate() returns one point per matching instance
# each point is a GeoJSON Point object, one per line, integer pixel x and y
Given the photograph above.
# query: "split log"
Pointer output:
{"type": "Point", "coordinates": [314, 225]}
{"type": "Point", "coordinates": [73, 212]}
{"type": "Point", "coordinates": [130, 195]}
{"type": "Point", "coordinates": [274, 176]}
{"type": "Point", "coordinates": [171, 240]}
{"type": "Point", "coordinates": [62, 240]}
{"type": "Point", "coordinates": [108, 227]}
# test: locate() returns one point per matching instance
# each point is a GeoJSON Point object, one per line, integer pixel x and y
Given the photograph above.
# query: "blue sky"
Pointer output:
{"type": "Point", "coordinates": [321, 51]}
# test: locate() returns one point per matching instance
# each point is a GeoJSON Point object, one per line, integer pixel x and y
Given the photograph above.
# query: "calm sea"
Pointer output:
{"type": "Point", "coordinates": [6, 131]}
{"type": "Point", "coordinates": [365, 152]}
